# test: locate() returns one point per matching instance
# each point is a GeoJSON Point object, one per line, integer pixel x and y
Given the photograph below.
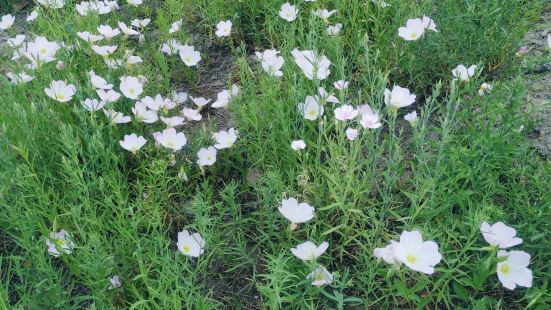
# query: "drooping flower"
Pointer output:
{"type": "Point", "coordinates": [411, 117]}
{"type": "Point", "coordinates": [116, 117]}
{"type": "Point", "coordinates": [311, 109]}
{"type": "Point", "coordinates": [513, 271]}
{"type": "Point", "coordinates": [175, 26]}
{"type": "Point", "coordinates": [341, 84]}
{"type": "Point", "coordinates": [351, 133]}
{"type": "Point", "coordinates": [132, 143]}
{"type": "Point", "coordinates": [298, 145]}
{"type": "Point", "coordinates": [171, 139]}
{"type": "Point", "coordinates": [326, 96]}
{"type": "Point", "coordinates": [60, 91]}
{"type": "Point", "coordinates": [6, 22]}
{"type": "Point", "coordinates": [368, 117]}
{"type": "Point", "coordinates": [500, 235]}
{"type": "Point", "coordinates": [190, 244]}
{"type": "Point", "coordinates": [345, 112]}
{"type": "Point", "coordinates": [484, 88]}
{"type": "Point", "coordinates": [143, 114]}
{"type": "Point", "coordinates": [207, 156]}
{"type": "Point", "coordinates": [414, 29]}
{"type": "Point", "coordinates": [114, 282]}
{"type": "Point", "coordinates": [223, 28]}
{"type": "Point", "coordinates": [387, 254]}
{"type": "Point", "coordinates": [314, 66]}
{"type": "Point", "coordinates": [334, 30]}
{"type": "Point", "coordinates": [60, 243]}
{"type": "Point", "coordinates": [225, 139]}
{"type": "Point", "coordinates": [320, 276]}
{"type": "Point", "coordinates": [131, 87]}
{"type": "Point", "coordinates": [288, 12]}
{"type": "Point", "coordinates": [463, 73]}
{"type": "Point", "coordinates": [93, 105]}
{"type": "Point", "coordinates": [108, 96]}
{"type": "Point", "coordinates": [399, 97]}
{"type": "Point", "coordinates": [296, 212]}
{"type": "Point", "coordinates": [429, 24]}
{"type": "Point", "coordinates": [19, 78]}
{"type": "Point", "coordinates": [309, 250]}
{"type": "Point", "coordinates": [98, 82]}
{"type": "Point", "coordinates": [415, 253]}
{"type": "Point", "coordinates": [128, 31]}
{"type": "Point", "coordinates": [189, 55]}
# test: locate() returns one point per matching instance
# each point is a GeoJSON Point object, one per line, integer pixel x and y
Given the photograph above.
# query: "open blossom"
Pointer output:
{"type": "Point", "coordinates": [513, 271]}
{"type": "Point", "coordinates": [191, 114]}
{"type": "Point", "coordinates": [179, 96]}
{"type": "Point", "coordinates": [107, 32]}
{"type": "Point", "coordinates": [114, 282]}
{"type": "Point", "coordinates": [104, 50]}
{"type": "Point", "coordinates": [190, 244]}
{"type": "Point", "coordinates": [116, 117]}
{"type": "Point", "coordinates": [500, 235]}
{"type": "Point", "coordinates": [171, 139]}
{"type": "Point", "coordinates": [59, 243]}
{"type": "Point", "coordinates": [324, 13]}
{"type": "Point", "coordinates": [345, 112]}
{"type": "Point", "coordinates": [223, 97]}
{"type": "Point", "coordinates": [484, 88]}
{"type": "Point", "coordinates": [288, 12]}
{"type": "Point", "coordinates": [223, 28]}
{"type": "Point", "coordinates": [351, 133]}
{"type": "Point", "coordinates": [128, 31]}
{"type": "Point", "coordinates": [175, 26]}
{"type": "Point", "coordinates": [200, 102]}
{"type": "Point", "coordinates": [159, 103]}
{"type": "Point", "coordinates": [327, 96]}
{"type": "Point", "coordinates": [399, 97]}
{"type": "Point", "coordinates": [132, 143]}
{"type": "Point", "coordinates": [414, 29]}
{"type": "Point", "coordinates": [41, 51]}
{"type": "Point", "coordinates": [52, 4]}
{"type": "Point", "coordinates": [108, 96]}
{"type": "Point", "coordinates": [320, 276]}
{"type": "Point", "coordinates": [142, 114]}
{"type": "Point", "coordinates": [311, 109]}
{"type": "Point", "coordinates": [463, 73]}
{"type": "Point", "coordinates": [296, 212]}
{"type": "Point", "coordinates": [16, 41]}
{"type": "Point", "coordinates": [189, 55]}
{"type": "Point", "coordinates": [298, 145]}
{"type": "Point", "coordinates": [271, 62]}
{"type": "Point", "coordinates": [140, 23]}
{"type": "Point", "coordinates": [411, 117]}
{"type": "Point", "coordinates": [225, 139]}
{"type": "Point", "coordinates": [32, 16]}
{"type": "Point", "coordinates": [89, 37]}
{"type": "Point", "coordinates": [98, 82]}
{"type": "Point", "coordinates": [173, 121]}
{"type": "Point", "coordinates": [368, 117]}
{"type": "Point", "coordinates": [309, 250]}
{"type": "Point", "coordinates": [334, 30]}
{"type": "Point", "coordinates": [387, 254]}
{"type": "Point", "coordinates": [171, 47]}
{"type": "Point", "coordinates": [6, 22]}
{"type": "Point", "coordinates": [207, 156]}
{"type": "Point", "coordinates": [415, 253]}
{"type": "Point", "coordinates": [341, 84]}
{"type": "Point", "coordinates": [60, 91]}
{"type": "Point", "coordinates": [93, 105]}
{"type": "Point", "coordinates": [314, 66]}
{"type": "Point", "coordinates": [131, 87]}
{"type": "Point", "coordinates": [19, 78]}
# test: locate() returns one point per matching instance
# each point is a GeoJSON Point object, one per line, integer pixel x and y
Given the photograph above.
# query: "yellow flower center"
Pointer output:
{"type": "Point", "coordinates": [209, 158]}
{"type": "Point", "coordinates": [61, 242]}
{"type": "Point", "coordinates": [504, 268]}
{"type": "Point", "coordinates": [312, 113]}
{"type": "Point", "coordinates": [414, 35]}
{"type": "Point", "coordinates": [187, 59]}
{"type": "Point", "coordinates": [131, 90]}
{"type": "Point", "coordinates": [42, 51]}
{"type": "Point", "coordinates": [411, 259]}
{"type": "Point", "coordinates": [60, 96]}
{"type": "Point", "coordinates": [186, 249]}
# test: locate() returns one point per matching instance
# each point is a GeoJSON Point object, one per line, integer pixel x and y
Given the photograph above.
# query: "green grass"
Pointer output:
{"type": "Point", "coordinates": [465, 162]}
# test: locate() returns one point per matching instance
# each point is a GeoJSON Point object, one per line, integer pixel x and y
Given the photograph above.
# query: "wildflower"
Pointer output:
{"type": "Point", "coordinates": [288, 12]}
{"type": "Point", "coordinates": [334, 30]}
{"type": "Point", "coordinates": [414, 29]}
{"type": "Point", "coordinates": [16, 41]}
{"type": "Point", "coordinates": [500, 235]}
{"type": "Point", "coordinates": [105, 50]}
{"type": "Point", "coordinates": [142, 114]}
{"type": "Point", "coordinates": [415, 253]}
{"type": "Point", "coordinates": [128, 31]}
{"type": "Point", "coordinates": [271, 62]}
{"type": "Point", "coordinates": [107, 32]}
{"type": "Point", "coordinates": [429, 24]}
{"type": "Point", "coordinates": [368, 117]}
{"type": "Point", "coordinates": [341, 84]}
{"type": "Point", "coordinates": [60, 91]}
{"type": "Point", "coordinates": [170, 139]}
{"type": "Point", "coordinates": [140, 23]}
{"type": "Point", "coordinates": [345, 112]}
{"type": "Point", "coordinates": [380, 3]}
{"type": "Point", "coordinates": [171, 47]}
{"type": "Point", "coordinates": [463, 73]}
{"type": "Point", "coordinates": [41, 51]}
{"type": "Point", "coordinates": [296, 212]}
{"type": "Point", "coordinates": [484, 88]}
{"type": "Point", "coordinates": [314, 66]}
{"type": "Point", "coordinates": [93, 105]}
{"type": "Point", "coordinates": [52, 4]}
{"type": "Point", "coordinates": [225, 139]}
{"type": "Point", "coordinates": [223, 28]}
{"type": "Point", "coordinates": [222, 99]}
{"type": "Point", "coordinates": [324, 14]}
{"type": "Point", "coordinates": [59, 243]}
{"type": "Point", "coordinates": [514, 270]}
{"type": "Point", "coordinates": [189, 55]}
{"type": "Point", "coordinates": [191, 114]}
{"type": "Point", "coordinates": [114, 282]}
{"type": "Point", "coordinates": [32, 16]}
{"type": "Point", "coordinates": [351, 134]}
{"type": "Point", "coordinates": [320, 276]}
{"type": "Point", "coordinates": [190, 245]}
{"type": "Point", "coordinates": [173, 121]}
{"type": "Point", "coordinates": [158, 103]}
{"type": "Point", "coordinates": [98, 82]}
{"type": "Point", "coordinates": [134, 2]}
{"type": "Point", "coordinates": [326, 96]}
{"type": "Point", "coordinates": [88, 37]}
{"type": "Point", "coordinates": [387, 254]}
{"type": "Point", "coordinates": [130, 87]}
{"type": "Point", "coordinates": [179, 96]}
{"type": "Point", "coordinates": [200, 102]}
{"type": "Point", "coordinates": [6, 22]}
{"type": "Point", "coordinates": [399, 97]}
{"type": "Point", "coordinates": [298, 145]}
{"type": "Point", "coordinates": [311, 109]}
{"type": "Point", "coordinates": [207, 156]}
{"type": "Point", "coordinates": [411, 117]}
{"type": "Point", "coordinates": [19, 78]}
{"type": "Point", "coordinates": [309, 250]}
{"type": "Point", "coordinates": [175, 26]}
{"type": "Point", "coordinates": [116, 117]}
{"type": "Point", "coordinates": [108, 96]}
{"type": "Point", "coordinates": [132, 143]}
{"type": "Point", "coordinates": [60, 65]}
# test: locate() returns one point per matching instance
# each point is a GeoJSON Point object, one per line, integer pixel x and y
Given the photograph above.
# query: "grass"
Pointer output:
{"type": "Point", "coordinates": [465, 162]}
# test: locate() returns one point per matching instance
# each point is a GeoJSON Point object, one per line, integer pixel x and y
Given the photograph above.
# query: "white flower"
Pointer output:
{"type": "Point", "coordinates": [189, 55]}
{"type": "Point", "coordinates": [93, 105]}
{"type": "Point", "coordinates": [131, 87]}
{"type": "Point", "coordinates": [60, 91]}
{"type": "Point", "coordinates": [311, 109]}
{"type": "Point", "coordinates": [190, 245]}
{"type": "Point", "coordinates": [463, 73]}
{"type": "Point", "coordinates": [223, 28]}
{"type": "Point", "coordinates": [107, 32]}
{"type": "Point", "coordinates": [171, 47]}
{"type": "Point", "coordinates": [108, 96]}
{"type": "Point", "coordinates": [175, 26]}
{"type": "Point", "coordinates": [341, 84]}
{"type": "Point", "coordinates": [142, 114]}
{"type": "Point", "coordinates": [222, 99]}
{"type": "Point", "coordinates": [399, 97]}
{"type": "Point", "coordinates": [134, 2]}
{"type": "Point", "coordinates": [191, 114]}
{"type": "Point", "coordinates": [326, 96]}
{"type": "Point", "coordinates": [19, 78]}
{"type": "Point", "coordinates": [368, 117]}
{"type": "Point", "coordinates": [207, 156]}
{"type": "Point", "coordinates": [351, 134]}
{"type": "Point", "coordinates": [514, 270]}
{"type": "Point", "coordinates": [298, 145]}
{"type": "Point", "coordinates": [41, 51]}
{"type": "Point", "coordinates": [6, 22]}
{"type": "Point", "coordinates": [334, 30]}
{"type": "Point", "coordinates": [309, 250]}
{"type": "Point", "coordinates": [314, 66]}
{"type": "Point", "coordinates": [98, 82]}
{"type": "Point", "coordinates": [59, 243]}
{"type": "Point", "coordinates": [173, 121]}
{"type": "Point", "coordinates": [549, 40]}
{"type": "Point", "coordinates": [288, 12]}
{"type": "Point", "coordinates": [320, 276]}
{"type": "Point", "coordinates": [271, 62]}
{"type": "Point", "coordinates": [132, 143]}
{"type": "Point", "coordinates": [225, 139]}
{"type": "Point", "coordinates": [296, 212]}
{"type": "Point", "coordinates": [415, 253]}
{"type": "Point", "coordinates": [158, 103]}
{"type": "Point", "coordinates": [89, 37]}
{"type": "Point", "coordinates": [324, 13]}
{"type": "Point", "coordinates": [381, 3]}
{"type": "Point", "coordinates": [414, 29]}
{"type": "Point", "coordinates": [387, 254]}
{"type": "Point", "coordinates": [140, 23]}
{"type": "Point", "coordinates": [116, 117]}
{"type": "Point", "coordinates": [411, 117]}
{"type": "Point", "coordinates": [104, 50]}
{"type": "Point", "coordinates": [128, 31]}
{"type": "Point", "coordinates": [179, 96]}
{"type": "Point", "coordinates": [16, 41]}
{"type": "Point", "coordinates": [170, 139]}
{"type": "Point", "coordinates": [32, 16]}
{"type": "Point", "coordinates": [52, 4]}
{"type": "Point", "coordinates": [429, 24]}
{"type": "Point", "coordinates": [345, 112]}
{"type": "Point", "coordinates": [484, 88]}
{"type": "Point", "coordinates": [114, 282]}
{"type": "Point", "coordinates": [500, 235]}
{"type": "Point", "coordinates": [200, 102]}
